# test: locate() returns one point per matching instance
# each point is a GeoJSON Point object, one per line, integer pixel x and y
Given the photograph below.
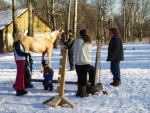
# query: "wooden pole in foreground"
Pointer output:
{"type": "Point", "coordinates": [60, 100]}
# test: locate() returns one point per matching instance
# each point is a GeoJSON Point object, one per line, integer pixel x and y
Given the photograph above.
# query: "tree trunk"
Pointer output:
{"type": "Point", "coordinates": [97, 62]}
{"type": "Point", "coordinates": [141, 32]}
{"type": "Point", "coordinates": [142, 19]}
{"type": "Point", "coordinates": [53, 19]}
{"type": "Point", "coordinates": [68, 19]}
{"type": "Point", "coordinates": [69, 12]}
{"type": "Point", "coordinates": [48, 13]}
{"type": "Point", "coordinates": [14, 15]}
{"type": "Point", "coordinates": [124, 20]}
{"type": "Point", "coordinates": [75, 17]}
{"type": "Point", "coordinates": [30, 19]}
{"type": "Point", "coordinates": [98, 42]}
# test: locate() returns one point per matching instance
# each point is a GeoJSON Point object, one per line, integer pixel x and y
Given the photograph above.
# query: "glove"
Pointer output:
{"type": "Point", "coordinates": [28, 55]}
{"type": "Point", "coordinates": [30, 59]}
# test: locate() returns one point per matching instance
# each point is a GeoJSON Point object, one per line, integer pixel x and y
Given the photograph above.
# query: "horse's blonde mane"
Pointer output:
{"type": "Point", "coordinates": [53, 32]}
{"type": "Point", "coordinates": [19, 36]}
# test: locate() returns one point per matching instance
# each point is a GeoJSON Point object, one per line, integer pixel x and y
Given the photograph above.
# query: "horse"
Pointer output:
{"type": "Point", "coordinates": [40, 45]}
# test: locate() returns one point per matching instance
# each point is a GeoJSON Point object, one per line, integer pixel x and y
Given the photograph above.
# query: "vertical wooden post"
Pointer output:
{"type": "Point", "coordinates": [60, 100]}
{"type": "Point", "coordinates": [62, 72]}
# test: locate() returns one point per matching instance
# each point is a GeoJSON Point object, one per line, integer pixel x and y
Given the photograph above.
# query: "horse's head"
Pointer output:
{"type": "Point", "coordinates": [58, 34]}
{"type": "Point", "coordinates": [62, 33]}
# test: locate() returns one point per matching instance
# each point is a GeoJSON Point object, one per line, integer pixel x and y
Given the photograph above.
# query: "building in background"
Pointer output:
{"type": "Point", "coordinates": [6, 27]}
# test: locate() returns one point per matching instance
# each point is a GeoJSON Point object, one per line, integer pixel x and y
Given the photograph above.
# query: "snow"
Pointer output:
{"type": "Point", "coordinates": [133, 96]}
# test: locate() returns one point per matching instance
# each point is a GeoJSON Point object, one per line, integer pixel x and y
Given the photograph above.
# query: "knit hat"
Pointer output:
{"type": "Point", "coordinates": [83, 32]}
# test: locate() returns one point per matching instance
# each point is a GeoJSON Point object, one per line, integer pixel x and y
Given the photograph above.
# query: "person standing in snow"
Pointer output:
{"type": "Point", "coordinates": [82, 58]}
{"type": "Point", "coordinates": [69, 45]}
{"type": "Point", "coordinates": [115, 55]}
{"type": "Point", "coordinates": [20, 56]}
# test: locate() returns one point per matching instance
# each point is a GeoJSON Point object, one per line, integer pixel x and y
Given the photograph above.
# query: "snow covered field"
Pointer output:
{"type": "Point", "coordinates": [133, 96]}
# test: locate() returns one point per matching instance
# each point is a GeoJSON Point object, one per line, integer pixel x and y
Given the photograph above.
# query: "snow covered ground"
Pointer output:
{"type": "Point", "coordinates": [133, 96]}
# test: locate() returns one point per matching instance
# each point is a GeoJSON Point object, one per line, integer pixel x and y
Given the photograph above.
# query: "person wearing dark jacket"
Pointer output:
{"type": "Point", "coordinates": [115, 55]}
{"type": "Point", "coordinates": [20, 55]}
{"type": "Point", "coordinates": [69, 45]}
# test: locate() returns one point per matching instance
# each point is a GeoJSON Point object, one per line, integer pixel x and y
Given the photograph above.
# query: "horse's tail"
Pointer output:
{"type": "Point", "coordinates": [20, 36]}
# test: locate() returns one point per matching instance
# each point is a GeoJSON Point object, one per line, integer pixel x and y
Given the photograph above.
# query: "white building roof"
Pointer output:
{"type": "Point", "coordinates": [6, 17]}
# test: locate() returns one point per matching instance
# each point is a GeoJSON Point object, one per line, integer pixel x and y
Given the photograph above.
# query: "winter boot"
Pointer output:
{"type": "Point", "coordinates": [21, 92]}
{"type": "Point", "coordinates": [78, 94]}
{"type": "Point", "coordinates": [115, 83]}
{"type": "Point", "coordinates": [83, 91]}
{"type": "Point", "coordinates": [50, 86]}
{"type": "Point", "coordinates": [45, 85]}
{"type": "Point", "coordinates": [71, 68]}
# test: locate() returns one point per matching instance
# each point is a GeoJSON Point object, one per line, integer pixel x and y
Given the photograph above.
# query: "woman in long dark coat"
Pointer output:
{"type": "Point", "coordinates": [115, 55]}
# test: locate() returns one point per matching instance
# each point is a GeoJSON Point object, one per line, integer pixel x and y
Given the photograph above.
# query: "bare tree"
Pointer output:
{"type": "Point", "coordinates": [30, 18]}
{"type": "Point", "coordinates": [127, 6]}
{"type": "Point", "coordinates": [134, 13]}
{"type": "Point", "coordinates": [53, 14]}
{"type": "Point", "coordinates": [48, 12]}
{"type": "Point", "coordinates": [14, 15]}
{"type": "Point", "coordinates": [143, 13]}
{"type": "Point", "coordinates": [103, 7]}
{"type": "Point", "coordinates": [69, 12]}
{"type": "Point", "coordinates": [4, 6]}
{"type": "Point", "coordinates": [75, 17]}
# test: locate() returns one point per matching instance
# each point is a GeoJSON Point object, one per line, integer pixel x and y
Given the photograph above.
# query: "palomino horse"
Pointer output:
{"type": "Point", "coordinates": [40, 45]}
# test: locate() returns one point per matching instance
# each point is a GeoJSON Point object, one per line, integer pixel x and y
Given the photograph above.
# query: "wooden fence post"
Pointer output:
{"type": "Point", "coordinates": [60, 100]}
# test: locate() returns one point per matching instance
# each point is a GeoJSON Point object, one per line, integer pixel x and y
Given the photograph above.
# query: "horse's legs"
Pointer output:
{"type": "Point", "coordinates": [49, 56]}
{"type": "Point", "coordinates": [43, 54]}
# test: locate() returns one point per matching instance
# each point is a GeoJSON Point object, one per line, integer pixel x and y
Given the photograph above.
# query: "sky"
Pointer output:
{"type": "Point", "coordinates": [116, 6]}
{"type": "Point", "coordinates": [8, 1]}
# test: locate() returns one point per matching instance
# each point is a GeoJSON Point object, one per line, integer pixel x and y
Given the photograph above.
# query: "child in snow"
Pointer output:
{"type": "Point", "coordinates": [48, 76]}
